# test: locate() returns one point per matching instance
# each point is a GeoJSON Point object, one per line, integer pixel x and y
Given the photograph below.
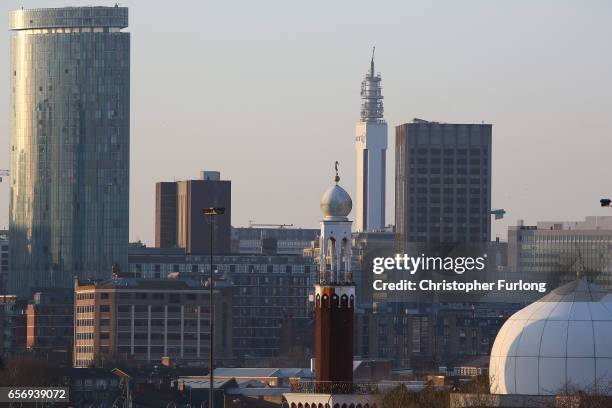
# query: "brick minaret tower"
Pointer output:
{"type": "Point", "coordinates": [335, 294]}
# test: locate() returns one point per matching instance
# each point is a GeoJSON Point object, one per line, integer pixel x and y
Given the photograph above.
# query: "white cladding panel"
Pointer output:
{"type": "Point", "coordinates": [554, 343]}
{"type": "Point", "coordinates": [371, 150]}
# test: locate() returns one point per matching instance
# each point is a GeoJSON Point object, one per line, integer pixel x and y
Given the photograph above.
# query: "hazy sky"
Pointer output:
{"type": "Point", "coordinates": [267, 92]}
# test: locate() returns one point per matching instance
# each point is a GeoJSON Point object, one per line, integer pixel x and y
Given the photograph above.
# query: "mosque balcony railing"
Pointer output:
{"type": "Point", "coordinates": [333, 387]}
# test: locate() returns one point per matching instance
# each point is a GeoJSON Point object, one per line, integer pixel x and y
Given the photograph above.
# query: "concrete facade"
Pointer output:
{"type": "Point", "coordinates": [443, 182]}
{"type": "Point", "coordinates": [179, 220]}
{"type": "Point", "coordinates": [140, 321]}
{"type": "Point", "coordinates": [558, 251]}
{"type": "Point", "coordinates": [267, 290]}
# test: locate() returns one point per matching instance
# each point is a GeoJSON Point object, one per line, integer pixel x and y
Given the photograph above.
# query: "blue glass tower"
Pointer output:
{"type": "Point", "coordinates": [69, 145]}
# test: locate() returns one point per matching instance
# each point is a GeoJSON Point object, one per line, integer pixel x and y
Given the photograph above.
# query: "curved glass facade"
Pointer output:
{"type": "Point", "coordinates": [69, 145]}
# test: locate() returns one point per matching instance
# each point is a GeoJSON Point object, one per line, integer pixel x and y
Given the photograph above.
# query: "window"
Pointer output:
{"type": "Point", "coordinates": [104, 308]}
{"type": "Point", "coordinates": [141, 309]}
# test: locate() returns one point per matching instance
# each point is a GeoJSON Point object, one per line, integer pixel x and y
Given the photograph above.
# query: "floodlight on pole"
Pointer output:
{"type": "Point", "coordinates": [211, 212]}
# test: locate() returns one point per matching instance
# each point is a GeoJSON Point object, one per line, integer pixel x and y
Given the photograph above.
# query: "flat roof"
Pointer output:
{"type": "Point", "coordinates": [143, 284]}
{"type": "Point", "coordinates": [68, 17]}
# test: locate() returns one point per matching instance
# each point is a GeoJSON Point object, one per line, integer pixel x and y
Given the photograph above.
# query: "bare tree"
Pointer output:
{"type": "Point", "coordinates": [23, 371]}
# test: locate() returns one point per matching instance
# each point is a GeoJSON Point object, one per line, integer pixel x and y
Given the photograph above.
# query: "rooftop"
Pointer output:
{"type": "Point", "coordinates": [68, 17]}
{"type": "Point", "coordinates": [263, 372]}
{"type": "Point", "coordinates": [142, 284]}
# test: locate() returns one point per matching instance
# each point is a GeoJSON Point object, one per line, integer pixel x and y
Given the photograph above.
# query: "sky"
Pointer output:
{"type": "Point", "coordinates": [267, 92]}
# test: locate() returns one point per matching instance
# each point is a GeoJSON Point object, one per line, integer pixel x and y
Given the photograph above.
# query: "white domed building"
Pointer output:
{"type": "Point", "coordinates": [561, 343]}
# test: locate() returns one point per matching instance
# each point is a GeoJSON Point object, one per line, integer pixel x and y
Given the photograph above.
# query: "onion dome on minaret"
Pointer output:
{"type": "Point", "coordinates": [336, 203]}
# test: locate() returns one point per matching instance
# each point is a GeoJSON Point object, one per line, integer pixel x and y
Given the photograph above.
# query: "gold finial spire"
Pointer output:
{"type": "Point", "coordinates": [337, 178]}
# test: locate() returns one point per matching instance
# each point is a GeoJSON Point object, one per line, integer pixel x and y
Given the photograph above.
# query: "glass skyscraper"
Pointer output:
{"type": "Point", "coordinates": [69, 145]}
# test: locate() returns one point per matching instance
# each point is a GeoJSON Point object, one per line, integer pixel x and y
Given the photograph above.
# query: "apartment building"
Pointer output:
{"type": "Point", "coordinates": [143, 320]}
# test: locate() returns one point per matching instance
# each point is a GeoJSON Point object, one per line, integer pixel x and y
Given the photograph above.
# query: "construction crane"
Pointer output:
{"type": "Point", "coordinates": [3, 173]}
{"type": "Point", "coordinates": [252, 224]}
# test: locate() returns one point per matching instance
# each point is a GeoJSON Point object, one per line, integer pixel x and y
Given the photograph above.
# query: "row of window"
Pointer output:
{"type": "Point", "coordinates": [84, 336]}
{"type": "Point", "coordinates": [159, 350]}
{"type": "Point", "coordinates": [85, 309]}
{"type": "Point", "coordinates": [167, 297]}
{"type": "Point", "coordinates": [435, 151]}
{"type": "Point", "coordinates": [85, 322]}
{"type": "Point", "coordinates": [447, 181]}
{"type": "Point", "coordinates": [91, 295]}
{"type": "Point", "coordinates": [162, 322]}
{"type": "Point", "coordinates": [422, 211]}
{"type": "Point", "coordinates": [160, 336]}
{"type": "Point", "coordinates": [460, 230]}
{"type": "Point", "coordinates": [448, 162]}
{"type": "Point", "coordinates": [171, 309]}
{"type": "Point", "coordinates": [84, 349]}
{"type": "Point", "coordinates": [196, 268]}
{"type": "Point", "coordinates": [448, 200]}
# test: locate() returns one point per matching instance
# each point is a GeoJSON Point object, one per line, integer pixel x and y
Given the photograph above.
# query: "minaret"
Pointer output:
{"type": "Point", "coordinates": [334, 313]}
{"type": "Point", "coordinates": [371, 150]}
{"type": "Point", "coordinates": [335, 295]}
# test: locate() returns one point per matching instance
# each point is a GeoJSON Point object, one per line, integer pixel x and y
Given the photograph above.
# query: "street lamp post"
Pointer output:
{"type": "Point", "coordinates": [211, 212]}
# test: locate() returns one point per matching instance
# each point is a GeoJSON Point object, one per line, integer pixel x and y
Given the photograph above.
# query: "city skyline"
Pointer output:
{"type": "Point", "coordinates": [276, 124]}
